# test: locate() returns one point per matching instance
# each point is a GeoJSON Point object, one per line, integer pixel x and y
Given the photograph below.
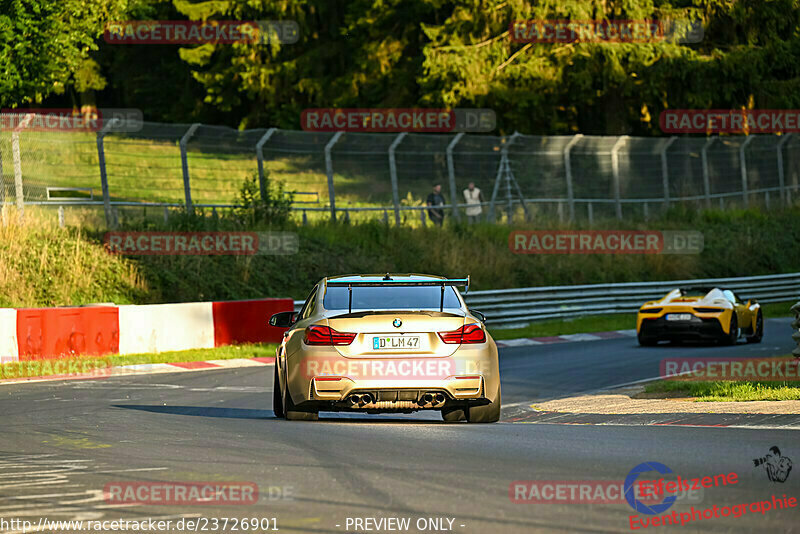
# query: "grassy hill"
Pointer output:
{"type": "Point", "coordinates": [44, 265]}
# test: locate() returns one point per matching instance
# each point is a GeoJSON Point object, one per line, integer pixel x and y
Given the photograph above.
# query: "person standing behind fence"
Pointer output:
{"type": "Point", "coordinates": [436, 199]}
{"type": "Point", "coordinates": [474, 197]}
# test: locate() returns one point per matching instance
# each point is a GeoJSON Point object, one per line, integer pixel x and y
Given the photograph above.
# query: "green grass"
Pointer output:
{"type": "Point", "coordinates": [95, 364]}
{"type": "Point", "coordinates": [42, 265]}
{"type": "Point", "coordinates": [727, 391]}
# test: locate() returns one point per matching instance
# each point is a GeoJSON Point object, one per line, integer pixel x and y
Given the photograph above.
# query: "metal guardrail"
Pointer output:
{"type": "Point", "coordinates": [518, 307]}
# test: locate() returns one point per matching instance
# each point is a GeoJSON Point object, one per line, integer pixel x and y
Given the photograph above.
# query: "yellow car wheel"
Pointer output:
{"type": "Point", "coordinates": [759, 331]}
{"type": "Point", "coordinates": [277, 401]}
{"type": "Point", "coordinates": [733, 331]}
{"type": "Point", "coordinates": [454, 414]}
{"type": "Point", "coordinates": [487, 413]}
{"type": "Point", "coordinates": [292, 412]}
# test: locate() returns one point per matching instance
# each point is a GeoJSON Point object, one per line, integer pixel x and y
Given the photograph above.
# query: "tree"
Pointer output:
{"type": "Point", "coordinates": [45, 46]}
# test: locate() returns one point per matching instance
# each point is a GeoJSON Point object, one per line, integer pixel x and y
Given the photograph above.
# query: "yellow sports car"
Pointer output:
{"type": "Point", "coordinates": [700, 313]}
{"type": "Point", "coordinates": [393, 343]}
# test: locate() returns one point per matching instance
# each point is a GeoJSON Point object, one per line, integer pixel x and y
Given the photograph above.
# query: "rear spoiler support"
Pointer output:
{"type": "Point", "coordinates": [404, 283]}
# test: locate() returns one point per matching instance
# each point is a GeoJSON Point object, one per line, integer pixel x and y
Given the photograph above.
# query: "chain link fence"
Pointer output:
{"type": "Point", "coordinates": [390, 175]}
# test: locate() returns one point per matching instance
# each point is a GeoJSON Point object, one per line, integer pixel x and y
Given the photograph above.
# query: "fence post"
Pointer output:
{"type": "Point", "coordinates": [18, 190]}
{"type": "Point", "coordinates": [500, 168]}
{"type": "Point", "coordinates": [781, 179]}
{"type": "Point", "coordinates": [451, 173]}
{"type": "Point", "coordinates": [260, 155]}
{"type": "Point", "coordinates": [187, 188]}
{"type": "Point", "coordinates": [615, 173]}
{"type": "Point", "coordinates": [393, 176]}
{"type": "Point", "coordinates": [743, 165]}
{"type": "Point", "coordinates": [568, 174]}
{"type": "Point", "coordinates": [665, 168]}
{"type": "Point", "coordinates": [329, 172]}
{"type": "Point", "coordinates": [706, 180]}
{"type": "Point", "coordinates": [101, 158]}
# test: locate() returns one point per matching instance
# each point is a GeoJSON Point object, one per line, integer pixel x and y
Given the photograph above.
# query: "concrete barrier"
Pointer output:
{"type": "Point", "coordinates": [9, 350]}
{"type": "Point", "coordinates": [53, 333]}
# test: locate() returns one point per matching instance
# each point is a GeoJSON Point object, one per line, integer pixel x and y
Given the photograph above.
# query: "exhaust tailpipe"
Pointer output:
{"type": "Point", "coordinates": [439, 397]}
{"type": "Point", "coordinates": [427, 398]}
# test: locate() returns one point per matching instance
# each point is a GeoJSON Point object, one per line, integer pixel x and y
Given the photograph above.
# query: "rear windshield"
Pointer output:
{"type": "Point", "coordinates": [391, 298]}
{"type": "Point", "coordinates": [694, 292]}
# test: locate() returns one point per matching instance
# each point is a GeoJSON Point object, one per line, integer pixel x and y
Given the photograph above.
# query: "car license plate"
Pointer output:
{"type": "Point", "coordinates": [679, 317]}
{"type": "Point", "coordinates": [395, 342]}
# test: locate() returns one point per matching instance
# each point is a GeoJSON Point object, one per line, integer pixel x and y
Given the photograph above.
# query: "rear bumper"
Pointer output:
{"type": "Point", "coordinates": [698, 328]}
{"type": "Point", "coordinates": [454, 388]}
{"type": "Point", "coordinates": [321, 376]}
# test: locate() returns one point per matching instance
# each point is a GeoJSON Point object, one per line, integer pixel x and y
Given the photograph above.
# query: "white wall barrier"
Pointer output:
{"type": "Point", "coordinates": [165, 327]}
{"type": "Point", "coordinates": [9, 351]}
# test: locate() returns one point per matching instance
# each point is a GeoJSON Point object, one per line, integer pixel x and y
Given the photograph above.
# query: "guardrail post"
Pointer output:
{"type": "Point", "coordinates": [665, 169]}
{"type": "Point", "coordinates": [615, 173]}
{"type": "Point", "coordinates": [260, 156]}
{"type": "Point", "coordinates": [590, 213]}
{"type": "Point", "coordinates": [15, 153]}
{"type": "Point", "coordinates": [101, 158]}
{"type": "Point", "coordinates": [706, 180]}
{"type": "Point", "coordinates": [187, 188]}
{"type": "Point", "coordinates": [451, 173]}
{"type": "Point", "coordinates": [329, 172]}
{"type": "Point", "coordinates": [743, 165]}
{"type": "Point", "coordinates": [781, 177]}
{"type": "Point", "coordinates": [568, 174]}
{"type": "Point", "coordinates": [503, 157]}
{"type": "Point", "coordinates": [796, 327]}
{"type": "Point", "coordinates": [393, 176]}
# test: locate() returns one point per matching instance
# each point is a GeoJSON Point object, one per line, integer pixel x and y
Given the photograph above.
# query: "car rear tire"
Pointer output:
{"type": "Point", "coordinates": [759, 333]}
{"type": "Point", "coordinates": [277, 401]}
{"type": "Point", "coordinates": [454, 414]}
{"type": "Point", "coordinates": [645, 341]}
{"type": "Point", "coordinates": [294, 413]}
{"type": "Point", "coordinates": [487, 413]}
{"type": "Point", "coordinates": [733, 331]}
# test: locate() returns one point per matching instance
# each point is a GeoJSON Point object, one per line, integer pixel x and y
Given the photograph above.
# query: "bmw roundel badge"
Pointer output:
{"type": "Point", "coordinates": [397, 323]}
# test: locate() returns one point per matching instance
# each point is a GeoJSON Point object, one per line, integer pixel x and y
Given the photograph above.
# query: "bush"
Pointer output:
{"type": "Point", "coordinates": [254, 210]}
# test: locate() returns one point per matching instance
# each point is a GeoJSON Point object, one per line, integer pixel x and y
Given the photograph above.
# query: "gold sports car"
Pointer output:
{"type": "Point", "coordinates": [700, 313]}
{"type": "Point", "coordinates": [393, 343]}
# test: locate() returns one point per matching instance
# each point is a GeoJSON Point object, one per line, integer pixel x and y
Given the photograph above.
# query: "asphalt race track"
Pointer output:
{"type": "Point", "coordinates": [62, 442]}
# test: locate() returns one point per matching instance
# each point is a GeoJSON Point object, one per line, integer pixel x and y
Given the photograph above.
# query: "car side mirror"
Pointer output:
{"type": "Point", "coordinates": [479, 315]}
{"type": "Point", "coordinates": [283, 319]}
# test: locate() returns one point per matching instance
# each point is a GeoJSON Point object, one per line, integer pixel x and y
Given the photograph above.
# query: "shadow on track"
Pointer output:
{"type": "Point", "coordinates": [246, 413]}
{"type": "Point", "coordinates": [202, 411]}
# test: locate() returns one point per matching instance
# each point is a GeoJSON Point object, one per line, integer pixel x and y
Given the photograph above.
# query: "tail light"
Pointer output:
{"type": "Point", "coordinates": [708, 310]}
{"type": "Point", "coordinates": [469, 333]}
{"type": "Point", "coordinates": [650, 310]}
{"type": "Point", "coordinates": [325, 335]}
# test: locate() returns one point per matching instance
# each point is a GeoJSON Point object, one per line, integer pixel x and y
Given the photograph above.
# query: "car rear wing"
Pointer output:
{"type": "Point", "coordinates": [387, 281]}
